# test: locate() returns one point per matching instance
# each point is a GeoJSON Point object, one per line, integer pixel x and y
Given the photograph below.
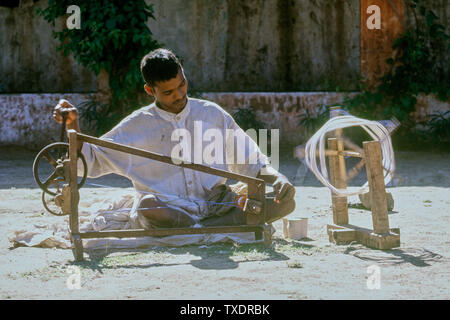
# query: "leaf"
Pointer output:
{"type": "Point", "coordinates": [422, 10]}
{"type": "Point", "coordinates": [430, 18]}
{"type": "Point", "coordinates": [111, 23]}
{"type": "Point", "coordinates": [112, 38]}
{"type": "Point", "coordinates": [399, 42]}
{"type": "Point", "coordinates": [405, 101]}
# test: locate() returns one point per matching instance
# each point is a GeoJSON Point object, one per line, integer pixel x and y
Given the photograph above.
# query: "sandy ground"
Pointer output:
{"type": "Point", "coordinates": [311, 268]}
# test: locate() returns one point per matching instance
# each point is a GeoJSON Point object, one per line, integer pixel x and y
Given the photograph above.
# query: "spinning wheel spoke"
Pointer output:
{"type": "Point", "coordinates": [351, 145]}
{"type": "Point", "coordinates": [57, 176]}
{"type": "Point", "coordinates": [354, 171]}
{"type": "Point", "coordinates": [387, 170]}
{"type": "Point", "coordinates": [50, 159]}
{"type": "Point", "coordinates": [346, 153]}
{"type": "Point", "coordinates": [51, 178]}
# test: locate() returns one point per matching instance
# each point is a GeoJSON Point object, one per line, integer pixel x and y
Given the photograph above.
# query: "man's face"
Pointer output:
{"type": "Point", "coordinates": [171, 94]}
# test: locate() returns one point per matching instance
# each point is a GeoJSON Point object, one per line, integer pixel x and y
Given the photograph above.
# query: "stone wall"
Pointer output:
{"type": "Point", "coordinates": [263, 45]}
{"type": "Point", "coordinates": [225, 45]}
{"type": "Point", "coordinates": [28, 117]}
{"type": "Point", "coordinates": [29, 61]}
{"type": "Point", "coordinates": [278, 110]}
{"type": "Point", "coordinates": [267, 54]}
{"type": "Point", "coordinates": [27, 121]}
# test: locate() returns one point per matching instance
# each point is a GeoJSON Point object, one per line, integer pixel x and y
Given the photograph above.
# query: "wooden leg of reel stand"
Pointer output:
{"type": "Point", "coordinates": [375, 177]}
{"type": "Point", "coordinates": [339, 180]}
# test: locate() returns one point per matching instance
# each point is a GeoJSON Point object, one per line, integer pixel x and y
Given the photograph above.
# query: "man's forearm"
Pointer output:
{"type": "Point", "coordinates": [268, 174]}
{"type": "Point", "coordinates": [284, 190]}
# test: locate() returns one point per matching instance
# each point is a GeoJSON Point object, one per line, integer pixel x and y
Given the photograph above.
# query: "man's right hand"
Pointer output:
{"type": "Point", "coordinates": [62, 107]}
{"type": "Point", "coordinates": [65, 107]}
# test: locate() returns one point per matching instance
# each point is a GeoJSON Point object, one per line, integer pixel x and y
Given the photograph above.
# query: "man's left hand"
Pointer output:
{"type": "Point", "coordinates": [284, 190]}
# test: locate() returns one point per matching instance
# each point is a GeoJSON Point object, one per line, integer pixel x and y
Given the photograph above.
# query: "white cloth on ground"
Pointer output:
{"type": "Point", "coordinates": [99, 215]}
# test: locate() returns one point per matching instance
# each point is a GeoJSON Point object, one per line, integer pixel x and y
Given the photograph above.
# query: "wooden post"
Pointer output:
{"type": "Point", "coordinates": [74, 196]}
{"type": "Point", "coordinates": [375, 177]}
{"type": "Point", "coordinates": [257, 191]}
{"type": "Point", "coordinates": [338, 179]}
{"type": "Point", "coordinates": [73, 183]}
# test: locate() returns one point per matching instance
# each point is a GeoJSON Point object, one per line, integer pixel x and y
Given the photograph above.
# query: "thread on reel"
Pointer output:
{"type": "Point", "coordinates": [376, 130]}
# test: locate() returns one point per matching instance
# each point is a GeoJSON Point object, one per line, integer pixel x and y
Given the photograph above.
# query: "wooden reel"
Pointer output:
{"type": "Point", "coordinates": [338, 150]}
{"type": "Point", "coordinates": [382, 236]}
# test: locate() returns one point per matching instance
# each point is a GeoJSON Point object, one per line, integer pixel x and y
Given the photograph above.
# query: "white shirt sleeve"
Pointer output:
{"type": "Point", "coordinates": [101, 161]}
{"type": "Point", "coordinates": [243, 154]}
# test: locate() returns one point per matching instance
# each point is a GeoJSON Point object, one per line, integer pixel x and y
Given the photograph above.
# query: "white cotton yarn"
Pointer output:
{"type": "Point", "coordinates": [375, 129]}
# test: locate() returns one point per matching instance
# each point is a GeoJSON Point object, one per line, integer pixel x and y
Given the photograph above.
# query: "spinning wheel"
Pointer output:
{"type": "Point", "coordinates": [62, 159]}
{"type": "Point", "coordinates": [55, 154]}
{"type": "Point", "coordinates": [336, 152]}
{"type": "Point", "coordinates": [56, 184]}
{"type": "Point", "coordinates": [355, 151]}
{"type": "Point", "coordinates": [378, 158]}
{"type": "Point", "coordinates": [51, 205]}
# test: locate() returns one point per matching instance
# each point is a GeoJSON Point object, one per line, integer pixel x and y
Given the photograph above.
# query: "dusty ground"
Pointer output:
{"type": "Point", "coordinates": [309, 269]}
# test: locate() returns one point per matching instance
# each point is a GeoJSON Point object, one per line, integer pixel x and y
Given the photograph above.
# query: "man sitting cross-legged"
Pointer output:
{"type": "Point", "coordinates": [182, 127]}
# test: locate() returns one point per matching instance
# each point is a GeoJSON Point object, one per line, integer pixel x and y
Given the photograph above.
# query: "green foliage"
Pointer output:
{"type": "Point", "coordinates": [437, 129]}
{"type": "Point", "coordinates": [114, 37]}
{"type": "Point", "coordinates": [312, 121]}
{"type": "Point", "coordinates": [246, 119]}
{"type": "Point", "coordinates": [366, 105]}
{"type": "Point", "coordinates": [99, 115]}
{"type": "Point", "coordinates": [419, 66]}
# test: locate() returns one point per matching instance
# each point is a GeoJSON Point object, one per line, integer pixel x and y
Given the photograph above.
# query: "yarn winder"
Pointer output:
{"type": "Point", "coordinates": [377, 156]}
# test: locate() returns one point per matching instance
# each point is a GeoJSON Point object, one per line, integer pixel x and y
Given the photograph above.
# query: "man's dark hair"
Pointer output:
{"type": "Point", "coordinates": [159, 65]}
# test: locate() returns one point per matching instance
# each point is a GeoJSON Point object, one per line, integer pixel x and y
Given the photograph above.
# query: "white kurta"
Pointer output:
{"type": "Point", "coordinates": [153, 129]}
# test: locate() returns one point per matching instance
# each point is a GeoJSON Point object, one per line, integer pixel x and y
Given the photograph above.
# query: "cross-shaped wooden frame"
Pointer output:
{"type": "Point", "coordinates": [341, 232]}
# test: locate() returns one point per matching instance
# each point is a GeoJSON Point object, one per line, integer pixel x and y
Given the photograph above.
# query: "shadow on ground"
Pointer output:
{"type": "Point", "coordinates": [419, 257]}
{"type": "Point", "coordinates": [212, 257]}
